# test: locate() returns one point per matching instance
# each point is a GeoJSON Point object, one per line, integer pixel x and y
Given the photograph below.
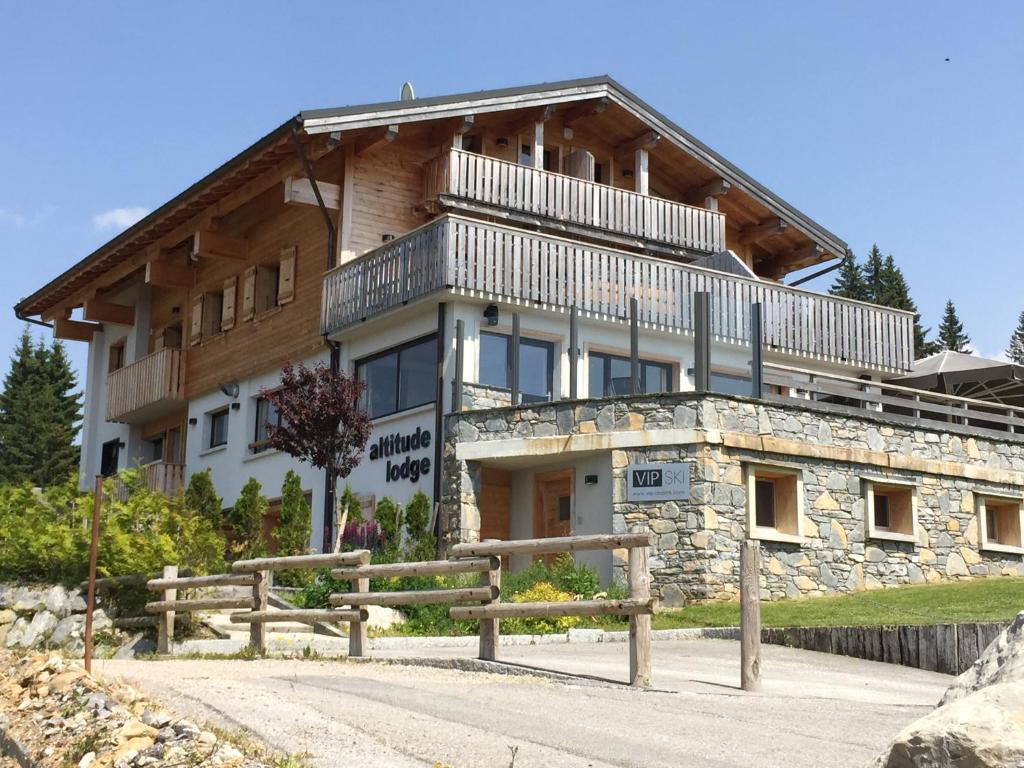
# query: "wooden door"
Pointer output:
{"type": "Point", "coordinates": [553, 500]}
{"type": "Point", "coordinates": [495, 504]}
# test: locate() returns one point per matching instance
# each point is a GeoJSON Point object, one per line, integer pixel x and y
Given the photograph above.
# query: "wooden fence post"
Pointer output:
{"type": "Point", "coordinates": [490, 628]}
{"type": "Point", "coordinates": [639, 625]}
{"type": "Point", "coordinates": [258, 630]}
{"type": "Point", "coordinates": [750, 615]}
{"type": "Point", "coordinates": [357, 640]}
{"type": "Point", "coordinates": [165, 627]}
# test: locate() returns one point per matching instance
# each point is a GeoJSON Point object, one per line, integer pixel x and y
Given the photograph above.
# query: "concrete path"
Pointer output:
{"type": "Point", "coordinates": [815, 709]}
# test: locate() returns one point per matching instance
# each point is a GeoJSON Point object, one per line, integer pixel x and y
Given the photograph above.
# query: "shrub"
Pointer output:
{"type": "Point", "coordinates": [293, 529]}
{"type": "Point", "coordinates": [541, 592]}
{"type": "Point", "coordinates": [389, 519]}
{"type": "Point", "coordinates": [420, 543]}
{"type": "Point", "coordinates": [350, 503]}
{"type": "Point", "coordinates": [246, 519]}
{"type": "Point", "coordinates": [202, 499]}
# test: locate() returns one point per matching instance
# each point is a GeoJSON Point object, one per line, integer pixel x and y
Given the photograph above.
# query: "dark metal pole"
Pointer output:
{"type": "Point", "coordinates": [460, 333]}
{"type": "Point", "coordinates": [702, 341]}
{"type": "Point", "coordinates": [514, 366]}
{"type": "Point", "coordinates": [330, 474]}
{"type": "Point", "coordinates": [756, 351]}
{"type": "Point", "coordinates": [634, 347]}
{"type": "Point", "coordinates": [90, 596]}
{"type": "Point", "coordinates": [442, 314]}
{"type": "Point", "coordinates": [573, 353]}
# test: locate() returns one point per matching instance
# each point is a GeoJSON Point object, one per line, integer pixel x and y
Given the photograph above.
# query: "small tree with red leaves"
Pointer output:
{"type": "Point", "coordinates": [320, 422]}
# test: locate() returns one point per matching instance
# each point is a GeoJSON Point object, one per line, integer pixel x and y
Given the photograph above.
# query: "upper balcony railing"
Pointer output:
{"type": "Point", "coordinates": [493, 260]}
{"type": "Point", "coordinates": [146, 389]}
{"type": "Point", "coordinates": [564, 199]}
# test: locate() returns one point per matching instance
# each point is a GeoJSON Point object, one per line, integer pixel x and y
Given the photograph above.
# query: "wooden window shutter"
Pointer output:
{"type": "Point", "coordinates": [227, 310]}
{"type": "Point", "coordinates": [286, 276]}
{"type": "Point", "coordinates": [196, 329]}
{"type": "Point", "coordinates": [581, 165]}
{"type": "Point", "coordinates": [249, 294]}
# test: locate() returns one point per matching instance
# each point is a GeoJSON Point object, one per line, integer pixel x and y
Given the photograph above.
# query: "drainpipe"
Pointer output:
{"type": "Point", "coordinates": [330, 476]}
{"type": "Point", "coordinates": [32, 320]}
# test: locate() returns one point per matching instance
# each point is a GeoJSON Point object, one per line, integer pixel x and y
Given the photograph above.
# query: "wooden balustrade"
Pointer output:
{"type": "Point", "coordinates": [488, 259]}
{"type": "Point", "coordinates": [487, 181]}
{"type": "Point", "coordinates": [147, 388]}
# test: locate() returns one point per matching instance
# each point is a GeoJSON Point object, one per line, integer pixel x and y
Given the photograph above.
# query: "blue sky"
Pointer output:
{"type": "Point", "coordinates": [847, 110]}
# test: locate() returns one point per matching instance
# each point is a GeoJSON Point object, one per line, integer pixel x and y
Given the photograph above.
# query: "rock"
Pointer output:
{"type": "Point", "coordinates": [68, 628]}
{"type": "Point", "coordinates": [134, 728]}
{"type": "Point", "coordinates": [7, 616]}
{"type": "Point", "coordinates": [955, 566]}
{"type": "Point", "coordinates": [158, 719]}
{"type": "Point", "coordinates": [58, 602]}
{"type": "Point", "coordinates": [100, 621]}
{"type": "Point", "coordinates": [29, 601]}
{"type": "Point", "coordinates": [982, 730]}
{"type": "Point", "coordinates": [8, 595]}
{"type": "Point", "coordinates": [39, 629]}
{"type": "Point", "coordinates": [382, 617]}
{"type": "Point", "coordinates": [1001, 662]}
{"type": "Point", "coordinates": [186, 728]}
{"type": "Point", "coordinates": [86, 760]}
{"type": "Point", "coordinates": [139, 645]}
{"type": "Point", "coordinates": [78, 603]}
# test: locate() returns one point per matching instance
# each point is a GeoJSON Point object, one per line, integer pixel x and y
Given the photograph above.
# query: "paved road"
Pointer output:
{"type": "Point", "coordinates": [815, 709]}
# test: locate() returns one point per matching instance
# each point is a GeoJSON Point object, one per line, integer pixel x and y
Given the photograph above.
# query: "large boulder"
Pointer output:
{"type": "Point", "coordinates": [28, 600]}
{"type": "Point", "coordinates": [68, 629]}
{"type": "Point", "coordinates": [14, 634]}
{"type": "Point", "coordinates": [980, 721]}
{"type": "Point", "coordinates": [58, 602]}
{"type": "Point", "coordinates": [1002, 661]}
{"type": "Point", "coordinates": [982, 730]}
{"type": "Point", "coordinates": [38, 630]}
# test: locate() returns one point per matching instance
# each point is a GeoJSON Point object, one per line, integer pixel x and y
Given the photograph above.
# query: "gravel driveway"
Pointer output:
{"type": "Point", "coordinates": [815, 709]}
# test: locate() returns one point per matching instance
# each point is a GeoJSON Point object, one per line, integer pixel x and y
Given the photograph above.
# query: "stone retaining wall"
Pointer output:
{"type": "Point", "coordinates": [697, 541]}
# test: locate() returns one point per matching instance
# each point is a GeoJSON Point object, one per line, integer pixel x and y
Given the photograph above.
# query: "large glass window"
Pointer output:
{"type": "Point", "coordinates": [218, 428]}
{"type": "Point", "coordinates": [730, 383]}
{"type": "Point", "coordinates": [612, 375]}
{"type": "Point", "coordinates": [401, 378]}
{"type": "Point", "coordinates": [267, 419]}
{"type": "Point", "coordinates": [536, 365]}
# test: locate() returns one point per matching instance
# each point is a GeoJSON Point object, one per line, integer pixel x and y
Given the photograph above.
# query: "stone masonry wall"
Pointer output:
{"type": "Point", "coordinates": [696, 556]}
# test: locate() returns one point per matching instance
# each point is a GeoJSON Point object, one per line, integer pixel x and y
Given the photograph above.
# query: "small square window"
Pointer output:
{"type": "Point", "coordinates": [218, 434]}
{"type": "Point", "coordinates": [891, 510]}
{"type": "Point", "coordinates": [1000, 523]}
{"type": "Point", "coordinates": [775, 506]}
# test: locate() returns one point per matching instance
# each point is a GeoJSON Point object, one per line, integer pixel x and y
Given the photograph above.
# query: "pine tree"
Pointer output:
{"type": "Point", "coordinates": [293, 530]}
{"type": "Point", "coordinates": [40, 416]}
{"type": "Point", "coordinates": [201, 498]}
{"type": "Point", "coordinates": [420, 542]}
{"type": "Point", "coordinates": [1016, 349]}
{"type": "Point", "coordinates": [247, 522]}
{"type": "Point", "coordinates": [951, 331]}
{"type": "Point", "coordinates": [873, 276]}
{"type": "Point", "coordinates": [894, 292]}
{"type": "Point", "coordinates": [849, 282]}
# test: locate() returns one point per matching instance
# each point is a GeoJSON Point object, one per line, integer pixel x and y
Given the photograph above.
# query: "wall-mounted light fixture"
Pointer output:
{"type": "Point", "coordinates": [590, 479]}
{"type": "Point", "coordinates": [627, 173]}
{"type": "Point", "coordinates": [501, 143]}
{"type": "Point", "coordinates": [491, 314]}
{"type": "Point", "coordinates": [230, 388]}
{"type": "Point", "coordinates": [386, 238]}
{"type": "Point", "coordinates": [193, 421]}
{"type": "Point", "coordinates": [236, 406]}
{"type": "Point", "coordinates": [120, 445]}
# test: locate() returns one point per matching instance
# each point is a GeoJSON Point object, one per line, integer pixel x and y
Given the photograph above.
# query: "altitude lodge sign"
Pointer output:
{"type": "Point", "coordinates": [395, 446]}
{"type": "Point", "coordinates": [657, 482]}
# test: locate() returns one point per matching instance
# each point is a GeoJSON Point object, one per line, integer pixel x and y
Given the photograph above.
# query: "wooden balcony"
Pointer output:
{"type": "Point", "coordinates": [147, 389]}
{"type": "Point", "coordinates": [469, 180]}
{"type": "Point", "coordinates": [492, 260]}
{"type": "Point", "coordinates": [160, 476]}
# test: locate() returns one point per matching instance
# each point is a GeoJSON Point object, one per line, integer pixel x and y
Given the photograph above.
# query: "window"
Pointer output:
{"type": "Point", "coordinates": [267, 278]}
{"type": "Point", "coordinates": [267, 420]}
{"type": "Point", "coordinates": [154, 449]}
{"type": "Point", "coordinates": [550, 157]}
{"type": "Point", "coordinates": [891, 509]}
{"type": "Point", "coordinates": [213, 311]}
{"type": "Point", "coordinates": [536, 365]}
{"type": "Point", "coordinates": [612, 375]}
{"type": "Point", "coordinates": [1001, 521]}
{"type": "Point", "coordinates": [218, 434]}
{"type": "Point", "coordinates": [116, 359]}
{"type": "Point", "coordinates": [730, 383]}
{"type": "Point", "coordinates": [775, 505]}
{"type": "Point", "coordinates": [109, 455]}
{"type": "Point", "coordinates": [401, 378]}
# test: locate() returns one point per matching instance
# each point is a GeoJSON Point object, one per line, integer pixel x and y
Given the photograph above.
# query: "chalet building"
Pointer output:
{"type": "Point", "coordinates": [571, 316]}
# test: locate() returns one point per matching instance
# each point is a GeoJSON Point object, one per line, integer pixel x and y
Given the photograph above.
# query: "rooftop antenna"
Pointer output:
{"type": "Point", "coordinates": [408, 94]}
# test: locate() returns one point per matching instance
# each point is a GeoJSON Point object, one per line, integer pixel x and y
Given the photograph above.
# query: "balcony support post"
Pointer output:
{"type": "Point", "coordinates": [514, 365]}
{"type": "Point", "coordinates": [537, 151]}
{"type": "Point", "coordinates": [634, 347]}
{"type": "Point", "coordinates": [460, 344]}
{"type": "Point", "coordinates": [702, 341]}
{"type": "Point", "coordinates": [574, 353]}
{"type": "Point", "coordinates": [641, 178]}
{"type": "Point", "coordinates": [756, 351]}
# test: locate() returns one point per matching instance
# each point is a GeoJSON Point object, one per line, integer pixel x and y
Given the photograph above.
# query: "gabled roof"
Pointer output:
{"type": "Point", "coordinates": [276, 145]}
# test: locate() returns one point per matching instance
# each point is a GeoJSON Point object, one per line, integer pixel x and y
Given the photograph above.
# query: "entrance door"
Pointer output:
{"type": "Point", "coordinates": [553, 505]}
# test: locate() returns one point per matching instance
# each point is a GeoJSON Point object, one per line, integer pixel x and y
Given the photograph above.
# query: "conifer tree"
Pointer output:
{"type": "Point", "coordinates": [873, 276]}
{"type": "Point", "coordinates": [1016, 349]}
{"type": "Point", "coordinates": [294, 527]}
{"type": "Point", "coordinates": [849, 282]}
{"type": "Point", "coordinates": [247, 522]}
{"type": "Point", "coordinates": [951, 331]}
{"type": "Point", "coordinates": [202, 499]}
{"type": "Point", "coordinates": [40, 416]}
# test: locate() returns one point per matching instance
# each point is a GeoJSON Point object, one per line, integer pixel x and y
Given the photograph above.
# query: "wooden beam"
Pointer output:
{"type": "Point", "coordinates": [779, 265]}
{"type": "Point", "coordinates": [541, 115]}
{"type": "Point", "coordinates": [762, 231]}
{"type": "Point", "coordinates": [345, 251]}
{"type": "Point", "coordinates": [164, 275]}
{"type": "Point", "coordinates": [386, 136]}
{"type": "Point", "coordinates": [584, 109]}
{"type": "Point", "coordinates": [106, 312]}
{"type": "Point", "coordinates": [462, 126]}
{"type": "Point", "coordinates": [74, 330]}
{"type": "Point", "coordinates": [713, 189]}
{"type": "Point", "coordinates": [207, 244]}
{"type": "Point", "coordinates": [300, 190]}
{"type": "Point", "coordinates": [645, 140]}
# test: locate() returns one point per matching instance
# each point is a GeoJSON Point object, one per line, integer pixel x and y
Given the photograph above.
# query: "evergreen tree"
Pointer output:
{"type": "Point", "coordinates": [1016, 349]}
{"type": "Point", "coordinates": [420, 542]}
{"type": "Point", "coordinates": [849, 282]}
{"type": "Point", "coordinates": [951, 331]}
{"type": "Point", "coordinates": [388, 516]}
{"type": "Point", "coordinates": [247, 522]}
{"type": "Point", "coordinates": [201, 498]}
{"type": "Point", "coordinates": [40, 416]}
{"type": "Point", "coordinates": [894, 292]}
{"type": "Point", "coordinates": [873, 276]}
{"type": "Point", "coordinates": [293, 530]}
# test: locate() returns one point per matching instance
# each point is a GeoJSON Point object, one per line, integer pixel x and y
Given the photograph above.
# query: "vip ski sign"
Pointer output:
{"type": "Point", "coordinates": [657, 482]}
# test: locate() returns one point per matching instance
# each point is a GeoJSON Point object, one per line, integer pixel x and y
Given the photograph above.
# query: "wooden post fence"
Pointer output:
{"type": "Point", "coordinates": [258, 629]}
{"type": "Point", "coordinates": [750, 615]}
{"type": "Point", "coordinates": [165, 626]}
{"type": "Point", "coordinates": [639, 624]}
{"type": "Point", "coordinates": [490, 629]}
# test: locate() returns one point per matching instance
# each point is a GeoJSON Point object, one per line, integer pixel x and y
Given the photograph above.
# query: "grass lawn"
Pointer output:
{"type": "Point", "coordinates": [978, 600]}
